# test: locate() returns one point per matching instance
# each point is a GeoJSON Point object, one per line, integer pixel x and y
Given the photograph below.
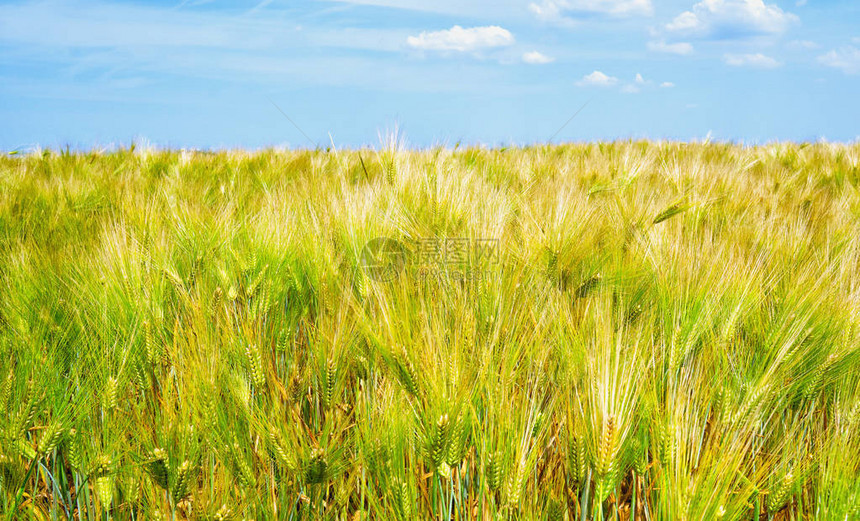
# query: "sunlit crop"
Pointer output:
{"type": "Point", "coordinates": [630, 330]}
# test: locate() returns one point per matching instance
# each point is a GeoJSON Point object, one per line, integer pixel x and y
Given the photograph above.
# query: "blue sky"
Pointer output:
{"type": "Point", "coordinates": [205, 73]}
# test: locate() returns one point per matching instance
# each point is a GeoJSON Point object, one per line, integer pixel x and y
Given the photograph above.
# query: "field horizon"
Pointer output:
{"type": "Point", "coordinates": [400, 141]}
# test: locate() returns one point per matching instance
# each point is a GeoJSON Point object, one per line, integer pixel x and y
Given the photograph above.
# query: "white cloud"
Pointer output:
{"type": "Point", "coordinates": [462, 40]}
{"type": "Point", "coordinates": [597, 79]}
{"type": "Point", "coordinates": [636, 86]}
{"type": "Point", "coordinates": [802, 45]}
{"type": "Point", "coordinates": [681, 48]}
{"type": "Point", "coordinates": [98, 45]}
{"type": "Point", "coordinates": [756, 60]}
{"type": "Point", "coordinates": [686, 21]}
{"type": "Point", "coordinates": [601, 79]}
{"type": "Point", "coordinates": [548, 11]}
{"type": "Point", "coordinates": [731, 19]}
{"type": "Point", "coordinates": [846, 59]}
{"type": "Point", "coordinates": [537, 58]}
{"type": "Point", "coordinates": [667, 85]}
{"type": "Point", "coordinates": [565, 11]}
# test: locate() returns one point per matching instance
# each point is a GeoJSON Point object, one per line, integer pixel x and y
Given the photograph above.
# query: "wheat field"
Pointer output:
{"type": "Point", "coordinates": [607, 331]}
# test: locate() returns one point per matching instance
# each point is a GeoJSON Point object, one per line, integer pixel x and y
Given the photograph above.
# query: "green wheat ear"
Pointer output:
{"type": "Point", "coordinates": [403, 502]}
{"type": "Point", "coordinates": [52, 437]}
{"type": "Point", "coordinates": [73, 448]}
{"type": "Point", "coordinates": [104, 487]}
{"type": "Point", "coordinates": [158, 468]}
{"type": "Point", "coordinates": [551, 262]}
{"type": "Point", "coordinates": [255, 284]}
{"type": "Point", "coordinates": [495, 470]}
{"type": "Point", "coordinates": [6, 390]}
{"type": "Point", "coordinates": [439, 441]}
{"type": "Point", "coordinates": [780, 491]}
{"type": "Point", "coordinates": [407, 375]}
{"type": "Point", "coordinates": [577, 461]}
{"type": "Point", "coordinates": [605, 456]}
{"type": "Point", "coordinates": [111, 393]}
{"type": "Point", "coordinates": [330, 380]}
{"type": "Point", "coordinates": [390, 169]}
{"type": "Point", "coordinates": [223, 514]}
{"type": "Point", "coordinates": [184, 478]}
{"type": "Point", "coordinates": [362, 285]}
{"type": "Point", "coordinates": [254, 359]}
{"type": "Point", "coordinates": [458, 440]}
{"type": "Point", "coordinates": [104, 479]}
{"type": "Point", "coordinates": [640, 454]}
{"type": "Point", "coordinates": [278, 451]}
{"type": "Point", "coordinates": [217, 296]}
{"type": "Point", "coordinates": [241, 466]}
{"type": "Point", "coordinates": [514, 487]}
{"type": "Point", "coordinates": [316, 470]}
{"type": "Point", "coordinates": [554, 510]}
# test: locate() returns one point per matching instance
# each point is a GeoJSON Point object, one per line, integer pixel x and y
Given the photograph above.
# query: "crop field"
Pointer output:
{"type": "Point", "coordinates": [609, 331]}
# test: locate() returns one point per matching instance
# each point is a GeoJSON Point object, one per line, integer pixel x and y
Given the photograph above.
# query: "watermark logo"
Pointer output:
{"type": "Point", "coordinates": [456, 252]}
{"type": "Point", "coordinates": [383, 259]}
